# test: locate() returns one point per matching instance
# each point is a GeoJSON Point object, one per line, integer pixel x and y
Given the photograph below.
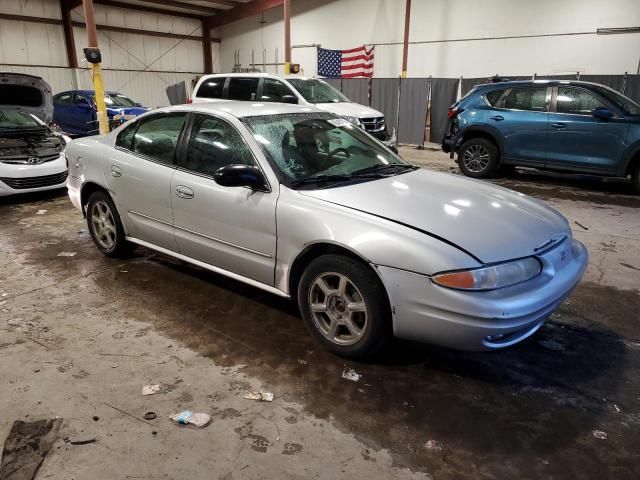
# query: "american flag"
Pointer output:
{"type": "Point", "coordinates": [353, 63]}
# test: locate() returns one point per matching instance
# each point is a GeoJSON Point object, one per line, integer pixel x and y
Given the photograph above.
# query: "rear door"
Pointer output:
{"type": "Point", "coordinates": [579, 140]}
{"type": "Point", "coordinates": [63, 112]}
{"type": "Point", "coordinates": [139, 171]}
{"type": "Point", "coordinates": [84, 115]}
{"type": "Point", "coordinates": [228, 227]}
{"type": "Point", "coordinates": [520, 114]}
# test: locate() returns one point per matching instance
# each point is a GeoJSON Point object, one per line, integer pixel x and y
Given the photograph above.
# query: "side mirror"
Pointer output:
{"type": "Point", "coordinates": [602, 113]}
{"type": "Point", "coordinates": [289, 99]}
{"type": "Point", "coordinates": [84, 105]}
{"type": "Point", "coordinates": [240, 175]}
{"type": "Point", "coordinates": [138, 104]}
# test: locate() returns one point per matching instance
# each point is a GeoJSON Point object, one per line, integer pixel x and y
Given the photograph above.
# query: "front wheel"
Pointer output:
{"type": "Point", "coordinates": [105, 226]}
{"type": "Point", "coordinates": [478, 158]}
{"type": "Point", "coordinates": [344, 306]}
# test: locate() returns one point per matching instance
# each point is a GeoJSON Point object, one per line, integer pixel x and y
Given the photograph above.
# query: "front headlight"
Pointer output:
{"type": "Point", "coordinates": [492, 277]}
{"type": "Point", "coordinates": [354, 120]}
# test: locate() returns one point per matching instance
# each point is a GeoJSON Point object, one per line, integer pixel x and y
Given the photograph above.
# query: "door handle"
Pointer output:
{"type": "Point", "coordinates": [559, 125]}
{"type": "Point", "coordinates": [116, 171]}
{"type": "Point", "coordinates": [497, 118]}
{"type": "Point", "coordinates": [184, 192]}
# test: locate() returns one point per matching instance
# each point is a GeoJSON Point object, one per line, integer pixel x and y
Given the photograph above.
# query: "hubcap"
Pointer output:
{"type": "Point", "coordinates": [476, 158]}
{"type": "Point", "coordinates": [338, 308]}
{"type": "Point", "coordinates": [103, 225]}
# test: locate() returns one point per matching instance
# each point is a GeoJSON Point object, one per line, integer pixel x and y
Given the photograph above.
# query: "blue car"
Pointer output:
{"type": "Point", "coordinates": [567, 126]}
{"type": "Point", "coordinates": [74, 111]}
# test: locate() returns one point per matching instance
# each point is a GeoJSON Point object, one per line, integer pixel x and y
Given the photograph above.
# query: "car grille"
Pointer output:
{"type": "Point", "coordinates": [375, 124]}
{"type": "Point", "coordinates": [35, 182]}
{"type": "Point", "coordinates": [25, 160]}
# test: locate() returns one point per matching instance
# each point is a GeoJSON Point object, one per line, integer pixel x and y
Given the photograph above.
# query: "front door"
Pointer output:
{"type": "Point", "coordinates": [139, 172]}
{"type": "Point", "coordinates": [521, 116]}
{"type": "Point", "coordinates": [232, 228]}
{"type": "Point", "coordinates": [577, 139]}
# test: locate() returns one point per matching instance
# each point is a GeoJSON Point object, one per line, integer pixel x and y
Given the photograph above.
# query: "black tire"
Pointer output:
{"type": "Point", "coordinates": [478, 158]}
{"type": "Point", "coordinates": [635, 177]}
{"type": "Point", "coordinates": [364, 285]}
{"type": "Point", "coordinates": [119, 247]}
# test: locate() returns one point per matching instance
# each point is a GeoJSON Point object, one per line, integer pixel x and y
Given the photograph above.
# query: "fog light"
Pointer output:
{"type": "Point", "coordinates": [494, 338]}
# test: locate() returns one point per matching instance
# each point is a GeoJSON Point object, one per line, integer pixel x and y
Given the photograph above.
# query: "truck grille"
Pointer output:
{"type": "Point", "coordinates": [375, 124]}
{"type": "Point", "coordinates": [35, 182]}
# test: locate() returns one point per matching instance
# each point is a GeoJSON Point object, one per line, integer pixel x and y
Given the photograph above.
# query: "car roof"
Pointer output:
{"type": "Point", "coordinates": [88, 92]}
{"type": "Point", "coordinates": [259, 75]}
{"type": "Point", "coordinates": [538, 81]}
{"type": "Point", "coordinates": [241, 109]}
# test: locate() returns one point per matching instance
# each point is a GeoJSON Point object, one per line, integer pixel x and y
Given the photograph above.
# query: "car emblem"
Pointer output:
{"type": "Point", "coordinates": [34, 161]}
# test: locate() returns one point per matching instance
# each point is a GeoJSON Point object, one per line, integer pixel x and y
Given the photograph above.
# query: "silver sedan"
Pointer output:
{"type": "Point", "coordinates": [306, 205]}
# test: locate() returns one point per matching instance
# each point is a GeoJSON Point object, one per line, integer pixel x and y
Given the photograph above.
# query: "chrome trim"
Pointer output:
{"type": "Point", "coordinates": [221, 271]}
{"type": "Point", "coordinates": [266, 255]}
{"type": "Point", "coordinates": [150, 218]}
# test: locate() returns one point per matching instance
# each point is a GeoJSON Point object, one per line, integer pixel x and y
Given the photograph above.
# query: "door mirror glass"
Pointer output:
{"type": "Point", "coordinates": [289, 99]}
{"type": "Point", "coordinates": [602, 113]}
{"type": "Point", "coordinates": [240, 175]}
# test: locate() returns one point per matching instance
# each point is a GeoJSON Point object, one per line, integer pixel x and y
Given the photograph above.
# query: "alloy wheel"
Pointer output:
{"type": "Point", "coordinates": [103, 225]}
{"type": "Point", "coordinates": [338, 309]}
{"type": "Point", "coordinates": [476, 158]}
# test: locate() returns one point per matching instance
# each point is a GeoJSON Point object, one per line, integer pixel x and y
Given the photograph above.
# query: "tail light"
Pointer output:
{"type": "Point", "coordinates": [189, 100]}
{"type": "Point", "coordinates": [454, 111]}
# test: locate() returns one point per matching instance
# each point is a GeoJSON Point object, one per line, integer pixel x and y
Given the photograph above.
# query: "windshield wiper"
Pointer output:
{"type": "Point", "coordinates": [383, 167]}
{"type": "Point", "coordinates": [319, 179]}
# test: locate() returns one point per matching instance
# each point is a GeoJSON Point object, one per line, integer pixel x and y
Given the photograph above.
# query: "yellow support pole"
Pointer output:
{"type": "Point", "coordinates": [98, 87]}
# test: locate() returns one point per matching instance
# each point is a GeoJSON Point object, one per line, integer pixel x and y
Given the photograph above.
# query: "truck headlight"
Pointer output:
{"type": "Point", "coordinates": [491, 277]}
{"type": "Point", "coordinates": [354, 120]}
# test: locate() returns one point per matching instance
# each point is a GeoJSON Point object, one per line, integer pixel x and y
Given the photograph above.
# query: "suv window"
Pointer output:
{"type": "Point", "coordinates": [533, 99]}
{"type": "Point", "coordinates": [63, 99]}
{"type": "Point", "coordinates": [157, 136]}
{"type": "Point", "coordinates": [274, 90]}
{"type": "Point", "coordinates": [493, 97]}
{"type": "Point", "coordinates": [211, 88]}
{"type": "Point", "coordinates": [214, 143]}
{"type": "Point", "coordinates": [577, 101]}
{"type": "Point", "coordinates": [243, 88]}
{"type": "Point", "coordinates": [126, 136]}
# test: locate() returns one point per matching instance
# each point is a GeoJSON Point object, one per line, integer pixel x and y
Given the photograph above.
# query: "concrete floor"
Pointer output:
{"type": "Point", "coordinates": [80, 335]}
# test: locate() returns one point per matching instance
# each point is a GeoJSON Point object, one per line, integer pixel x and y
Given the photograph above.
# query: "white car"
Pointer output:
{"type": "Point", "coordinates": [31, 154]}
{"type": "Point", "coordinates": [264, 87]}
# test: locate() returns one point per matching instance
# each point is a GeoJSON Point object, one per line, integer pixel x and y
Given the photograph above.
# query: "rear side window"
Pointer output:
{"type": "Point", "coordinates": [244, 89]}
{"type": "Point", "coordinates": [493, 97]}
{"type": "Point", "coordinates": [157, 137]}
{"type": "Point", "coordinates": [63, 99]}
{"type": "Point", "coordinates": [211, 88]}
{"type": "Point", "coordinates": [126, 136]}
{"type": "Point", "coordinates": [533, 99]}
{"type": "Point", "coordinates": [576, 101]}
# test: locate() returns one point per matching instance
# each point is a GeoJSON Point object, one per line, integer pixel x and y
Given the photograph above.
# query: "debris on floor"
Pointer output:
{"type": "Point", "coordinates": [26, 447]}
{"type": "Point", "coordinates": [600, 435]}
{"type": "Point", "coordinates": [260, 396]}
{"type": "Point", "coordinates": [67, 254]}
{"type": "Point", "coordinates": [433, 446]}
{"type": "Point", "coordinates": [41, 212]}
{"type": "Point", "coordinates": [83, 440]}
{"type": "Point", "coordinates": [158, 388]}
{"type": "Point", "coordinates": [187, 417]}
{"type": "Point", "coordinates": [351, 374]}
{"type": "Point", "coordinates": [150, 416]}
{"type": "Point", "coordinates": [551, 345]}
{"type": "Point", "coordinates": [581, 225]}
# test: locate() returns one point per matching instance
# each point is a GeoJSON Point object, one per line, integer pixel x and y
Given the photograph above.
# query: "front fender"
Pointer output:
{"type": "Point", "coordinates": [303, 221]}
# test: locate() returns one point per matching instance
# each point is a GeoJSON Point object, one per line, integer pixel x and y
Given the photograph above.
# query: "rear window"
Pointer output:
{"type": "Point", "coordinates": [244, 89]}
{"type": "Point", "coordinates": [20, 95]}
{"type": "Point", "coordinates": [211, 88]}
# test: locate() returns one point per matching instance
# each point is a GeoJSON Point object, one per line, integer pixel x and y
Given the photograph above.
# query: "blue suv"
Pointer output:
{"type": "Point", "coordinates": [567, 126]}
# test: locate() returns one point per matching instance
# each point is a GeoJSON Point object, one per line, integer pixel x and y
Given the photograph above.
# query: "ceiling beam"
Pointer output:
{"type": "Point", "coordinates": [144, 8]}
{"type": "Point", "coordinates": [226, 3]}
{"type": "Point", "coordinates": [186, 6]}
{"type": "Point", "coordinates": [243, 11]}
{"type": "Point", "coordinates": [67, 29]}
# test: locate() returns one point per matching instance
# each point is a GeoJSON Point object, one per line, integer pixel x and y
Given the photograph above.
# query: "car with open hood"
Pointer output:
{"type": "Point", "coordinates": [301, 203]}
{"type": "Point", "coordinates": [75, 111]}
{"type": "Point", "coordinates": [31, 153]}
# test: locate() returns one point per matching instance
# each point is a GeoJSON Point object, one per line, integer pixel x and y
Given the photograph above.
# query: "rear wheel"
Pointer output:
{"type": "Point", "coordinates": [344, 306]}
{"type": "Point", "coordinates": [478, 158]}
{"type": "Point", "coordinates": [635, 176]}
{"type": "Point", "coordinates": [105, 226]}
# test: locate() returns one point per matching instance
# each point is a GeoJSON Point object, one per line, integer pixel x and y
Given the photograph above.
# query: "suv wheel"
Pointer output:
{"type": "Point", "coordinates": [344, 306]}
{"type": "Point", "coordinates": [635, 176]}
{"type": "Point", "coordinates": [105, 226]}
{"type": "Point", "coordinates": [478, 158]}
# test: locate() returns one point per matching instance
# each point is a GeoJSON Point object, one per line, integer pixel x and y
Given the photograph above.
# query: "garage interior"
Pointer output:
{"type": "Point", "coordinates": [82, 334]}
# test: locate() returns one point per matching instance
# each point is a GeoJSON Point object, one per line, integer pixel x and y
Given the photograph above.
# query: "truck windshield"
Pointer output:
{"type": "Point", "coordinates": [317, 91]}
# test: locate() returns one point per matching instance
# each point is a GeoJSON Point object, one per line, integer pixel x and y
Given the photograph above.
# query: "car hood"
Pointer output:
{"type": "Point", "coordinates": [127, 111]}
{"type": "Point", "coordinates": [491, 223]}
{"type": "Point", "coordinates": [26, 93]}
{"type": "Point", "coordinates": [346, 109]}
